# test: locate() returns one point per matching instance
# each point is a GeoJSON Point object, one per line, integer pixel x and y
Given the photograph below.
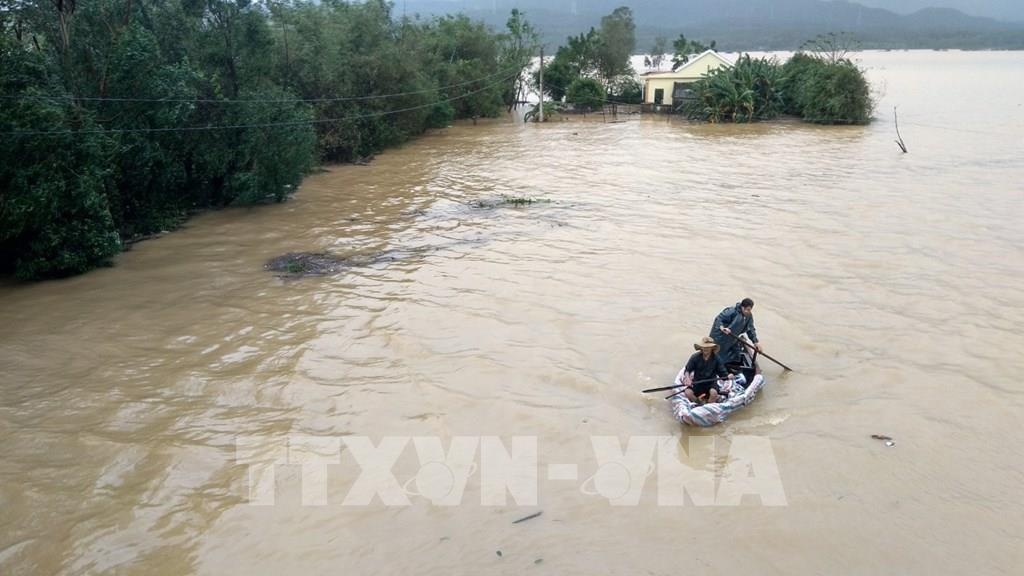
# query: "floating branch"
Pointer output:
{"type": "Point", "coordinates": [899, 139]}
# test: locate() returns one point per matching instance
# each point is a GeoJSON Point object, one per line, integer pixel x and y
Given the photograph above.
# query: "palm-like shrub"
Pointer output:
{"type": "Point", "coordinates": [746, 92]}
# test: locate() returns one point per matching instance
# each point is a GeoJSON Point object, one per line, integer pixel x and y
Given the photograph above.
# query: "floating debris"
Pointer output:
{"type": "Point", "coordinates": [888, 439]}
{"type": "Point", "coordinates": [530, 517]}
{"type": "Point", "coordinates": [498, 552]}
{"type": "Point", "coordinates": [505, 200]}
{"type": "Point", "coordinates": [300, 264]}
{"type": "Point", "coordinates": [523, 200]}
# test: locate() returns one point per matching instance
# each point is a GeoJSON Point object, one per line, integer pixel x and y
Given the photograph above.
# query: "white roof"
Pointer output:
{"type": "Point", "coordinates": [681, 71]}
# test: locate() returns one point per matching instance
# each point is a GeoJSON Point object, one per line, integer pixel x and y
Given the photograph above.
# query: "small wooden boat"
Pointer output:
{"type": "Point", "coordinates": [743, 390]}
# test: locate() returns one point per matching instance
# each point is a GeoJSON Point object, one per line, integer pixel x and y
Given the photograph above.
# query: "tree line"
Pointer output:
{"type": "Point", "coordinates": [121, 117]}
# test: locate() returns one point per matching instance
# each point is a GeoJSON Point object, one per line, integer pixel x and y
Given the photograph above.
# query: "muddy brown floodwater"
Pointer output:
{"type": "Point", "coordinates": [891, 282]}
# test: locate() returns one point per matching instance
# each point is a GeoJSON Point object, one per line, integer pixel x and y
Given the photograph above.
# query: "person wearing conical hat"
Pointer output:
{"type": "Point", "coordinates": [702, 372]}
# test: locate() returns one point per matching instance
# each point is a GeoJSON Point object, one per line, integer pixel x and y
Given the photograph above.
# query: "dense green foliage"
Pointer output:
{"type": "Point", "coordinates": [618, 41]}
{"type": "Point", "coordinates": [832, 93]}
{"type": "Point", "coordinates": [626, 90]}
{"type": "Point", "coordinates": [825, 89]}
{"type": "Point", "coordinates": [577, 59]}
{"type": "Point", "coordinates": [585, 94]}
{"type": "Point", "coordinates": [120, 117]}
{"type": "Point", "coordinates": [747, 91]}
{"type": "Point", "coordinates": [601, 55]}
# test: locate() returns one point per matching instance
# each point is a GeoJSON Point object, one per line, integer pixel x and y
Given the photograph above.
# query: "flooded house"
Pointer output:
{"type": "Point", "coordinates": [669, 89]}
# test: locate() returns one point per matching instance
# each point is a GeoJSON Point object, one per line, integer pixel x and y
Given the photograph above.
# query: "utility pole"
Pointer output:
{"type": "Point", "coordinates": [542, 83]}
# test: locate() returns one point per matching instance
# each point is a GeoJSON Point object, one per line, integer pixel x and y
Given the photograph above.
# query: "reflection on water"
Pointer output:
{"type": "Point", "coordinates": [891, 282]}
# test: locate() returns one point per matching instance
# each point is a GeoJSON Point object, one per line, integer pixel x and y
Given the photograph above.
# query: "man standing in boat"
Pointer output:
{"type": "Point", "coordinates": [729, 325]}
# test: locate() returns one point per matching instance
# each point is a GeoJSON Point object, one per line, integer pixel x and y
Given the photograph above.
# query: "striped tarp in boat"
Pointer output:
{"type": "Point", "coordinates": [687, 412]}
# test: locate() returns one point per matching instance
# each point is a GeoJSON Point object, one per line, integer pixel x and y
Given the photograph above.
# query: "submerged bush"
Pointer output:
{"type": "Point", "coordinates": [834, 93]}
{"type": "Point", "coordinates": [745, 92]}
{"type": "Point", "coordinates": [585, 94]}
{"type": "Point", "coordinates": [550, 110]}
{"type": "Point", "coordinates": [820, 90]}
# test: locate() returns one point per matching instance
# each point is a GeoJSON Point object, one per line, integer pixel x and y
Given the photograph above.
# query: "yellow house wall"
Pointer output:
{"type": "Point", "coordinates": [664, 84]}
{"type": "Point", "coordinates": [692, 73]}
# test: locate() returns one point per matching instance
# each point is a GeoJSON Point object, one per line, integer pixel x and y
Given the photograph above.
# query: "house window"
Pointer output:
{"type": "Point", "coordinates": [681, 91]}
{"type": "Point", "coordinates": [659, 95]}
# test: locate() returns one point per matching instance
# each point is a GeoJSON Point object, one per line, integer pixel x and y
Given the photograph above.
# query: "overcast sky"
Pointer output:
{"type": "Point", "coordinates": [1012, 10]}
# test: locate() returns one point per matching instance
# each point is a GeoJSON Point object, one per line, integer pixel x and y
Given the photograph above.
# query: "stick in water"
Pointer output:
{"type": "Point", "coordinates": [530, 517]}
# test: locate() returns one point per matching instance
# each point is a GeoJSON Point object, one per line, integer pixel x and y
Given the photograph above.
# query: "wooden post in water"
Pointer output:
{"type": "Point", "coordinates": [542, 84]}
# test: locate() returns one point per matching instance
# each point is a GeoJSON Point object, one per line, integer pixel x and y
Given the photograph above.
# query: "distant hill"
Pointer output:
{"type": "Point", "coordinates": [1008, 10]}
{"type": "Point", "coordinates": [748, 24]}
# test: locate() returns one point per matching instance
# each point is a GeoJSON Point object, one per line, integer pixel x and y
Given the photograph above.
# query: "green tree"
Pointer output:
{"type": "Point", "coordinates": [518, 45]}
{"type": "Point", "coordinates": [626, 90]}
{"type": "Point", "coordinates": [585, 94]}
{"type": "Point", "coordinates": [617, 43]}
{"type": "Point", "coordinates": [54, 218]}
{"type": "Point", "coordinates": [140, 112]}
{"type": "Point", "coordinates": [577, 59]}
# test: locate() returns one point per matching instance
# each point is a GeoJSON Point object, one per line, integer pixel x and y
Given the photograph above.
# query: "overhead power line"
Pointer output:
{"type": "Point", "coordinates": [262, 125]}
{"type": "Point", "coordinates": [248, 100]}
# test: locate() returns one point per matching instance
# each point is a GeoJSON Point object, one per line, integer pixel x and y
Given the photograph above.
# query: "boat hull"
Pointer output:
{"type": "Point", "coordinates": [704, 415]}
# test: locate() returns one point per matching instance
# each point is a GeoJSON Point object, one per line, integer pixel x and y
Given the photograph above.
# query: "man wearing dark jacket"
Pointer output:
{"type": "Point", "coordinates": [734, 321]}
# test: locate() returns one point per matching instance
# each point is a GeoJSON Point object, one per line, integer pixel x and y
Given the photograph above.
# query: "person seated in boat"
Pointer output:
{"type": "Point", "coordinates": [729, 325]}
{"type": "Point", "coordinates": [702, 372]}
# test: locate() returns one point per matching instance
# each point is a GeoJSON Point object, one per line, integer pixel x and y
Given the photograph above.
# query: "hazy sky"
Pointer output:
{"type": "Point", "coordinates": [1004, 9]}
{"type": "Point", "coordinates": [1000, 9]}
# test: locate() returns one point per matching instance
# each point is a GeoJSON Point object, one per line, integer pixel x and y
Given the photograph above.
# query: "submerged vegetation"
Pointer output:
{"type": "Point", "coordinates": [523, 200]}
{"type": "Point", "coordinates": [747, 91]}
{"type": "Point", "coordinates": [819, 84]}
{"type": "Point", "coordinates": [299, 264]}
{"type": "Point", "coordinates": [513, 201]}
{"type": "Point", "coordinates": [120, 117]}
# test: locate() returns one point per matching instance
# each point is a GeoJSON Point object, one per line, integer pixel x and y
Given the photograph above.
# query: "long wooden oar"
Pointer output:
{"type": "Point", "coordinates": [671, 396]}
{"type": "Point", "coordinates": [674, 386]}
{"type": "Point", "coordinates": [752, 347]}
